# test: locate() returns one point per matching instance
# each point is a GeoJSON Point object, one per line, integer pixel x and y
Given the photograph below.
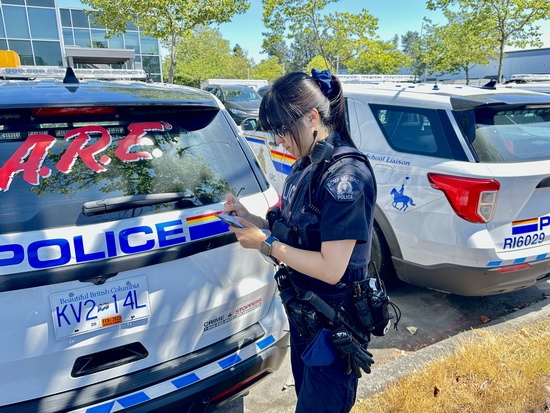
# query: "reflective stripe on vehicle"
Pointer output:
{"type": "Point", "coordinates": [517, 260]}
{"type": "Point", "coordinates": [177, 383]}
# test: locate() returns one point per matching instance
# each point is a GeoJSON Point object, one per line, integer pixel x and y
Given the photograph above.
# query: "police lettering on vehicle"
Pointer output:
{"type": "Point", "coordinates": [527, 232]}
{"type": "Point", "coordinates": [55, 252]}
{"type": "Point", "coordinates": [344, 188]}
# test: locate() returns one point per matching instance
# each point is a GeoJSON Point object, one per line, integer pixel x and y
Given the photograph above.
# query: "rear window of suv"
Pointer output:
{"type": "Point", "coordinates": [54, 160]}
{"type": "Point", "coordinates": [501, 134]}
{"type": "Point", "coordinates": [418, 131]}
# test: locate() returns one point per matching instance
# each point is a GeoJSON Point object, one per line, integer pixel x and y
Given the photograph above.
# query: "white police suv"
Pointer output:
{"type": "Point", "coordinates": [463, 177]}
{"type": "Point", "coordinates": [119, 287]}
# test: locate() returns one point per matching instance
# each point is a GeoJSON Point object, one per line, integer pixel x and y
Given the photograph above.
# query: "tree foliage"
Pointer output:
{"type": "Point", "coordinates": [165, 20]}
{"type": "Point", "coordinates": [341, 38]}
{"type": "Point", "coordinates": [268, 69]}
{"type": "Point", "coordinates": [319, 63]}
{"type": "Point", "coordinates": [203, 54]}
{"type": "Point", "coordinates": [508, 22]}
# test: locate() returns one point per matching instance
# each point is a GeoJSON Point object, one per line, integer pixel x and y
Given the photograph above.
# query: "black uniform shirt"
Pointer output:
{"type": "Point", "coordinates": [336, 204]}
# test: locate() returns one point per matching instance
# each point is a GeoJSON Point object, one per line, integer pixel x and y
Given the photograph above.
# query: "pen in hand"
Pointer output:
{"type": "Point", "coordinates": [236, 201]}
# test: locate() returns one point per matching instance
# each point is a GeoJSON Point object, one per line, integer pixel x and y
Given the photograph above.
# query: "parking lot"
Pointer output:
{"type": "Point", "coordinates": [431, 315]}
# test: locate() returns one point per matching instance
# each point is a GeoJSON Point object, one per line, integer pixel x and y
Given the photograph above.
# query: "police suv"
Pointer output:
{"type": "Point", "coordinates": [119, 287]}
{"type": "Point", "coordinates": [463, 176]}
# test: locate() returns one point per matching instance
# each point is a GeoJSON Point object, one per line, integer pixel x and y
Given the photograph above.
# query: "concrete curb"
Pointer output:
{"type": "Point", "coordinates": [390, 372]}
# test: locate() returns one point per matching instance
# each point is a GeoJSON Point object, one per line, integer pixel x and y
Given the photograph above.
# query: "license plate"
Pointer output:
{"type": "Point", "coordinates": [88, 309]}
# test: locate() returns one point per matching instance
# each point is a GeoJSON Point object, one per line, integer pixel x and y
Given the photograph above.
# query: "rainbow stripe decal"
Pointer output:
{"type": "Point", "coordinates": [206, 225]}
{"type": "Point", "coordinates": [282, 162]}
{"type": "Point", "coordinates": [525, 226]}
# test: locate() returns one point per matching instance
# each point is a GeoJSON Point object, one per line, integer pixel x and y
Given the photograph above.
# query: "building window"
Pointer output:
{"type": "Point", "coordinates": [98, 39]}
{"type": "Point", "coordinates": [3, 44]}
{"type": "Point", "coordinates": [43, 23]}
{"type": "Point", "coordinates": [151, 64]}
{"type": "Point", "coordinates": [41, 3]}
{"type": "Point", "coordinates": [16, 22]}
{"type": "Point", "coordinates": [82, 37]}
{"type": "Point", "coordinates": [80, 19]}
{"type": "Point", "coordinates": [68, 37]}
{"type": "Point", "coordinates": [132, 41]}
{"type": "Point", "coordinates": [2, 32]}
{"type": "Point", "coordinates": [149, 45]}
{"type": "Point", "coordinates": [47, 53]}
{"type": "Point", "coordinates": [65, 17]}
{"type": "Point", "coordinates": [116, 42]}
{"type": "Point", "coordinates": [19, 2]}
{"type": "Point", "coordinates": [24, 50]}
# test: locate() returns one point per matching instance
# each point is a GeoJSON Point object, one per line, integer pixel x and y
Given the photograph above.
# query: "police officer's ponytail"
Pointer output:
{"type": "Point", "coordinates": [296, 94]}
{"type": "Point", "coordinates": [338, 111]}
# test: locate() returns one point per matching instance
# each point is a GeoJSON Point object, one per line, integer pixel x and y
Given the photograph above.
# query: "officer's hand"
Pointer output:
{"type": "Point", "coordinates": [234, 207]}
{"type": "Point", "coordinates": [250, 236]}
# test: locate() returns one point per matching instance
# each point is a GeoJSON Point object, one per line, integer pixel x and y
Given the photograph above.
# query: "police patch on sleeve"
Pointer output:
{"type": "Point", "coordinates": [345, 188]}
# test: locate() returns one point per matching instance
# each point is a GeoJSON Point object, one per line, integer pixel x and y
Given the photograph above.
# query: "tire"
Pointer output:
{"type": "Point", "coordinates": [381, 256]}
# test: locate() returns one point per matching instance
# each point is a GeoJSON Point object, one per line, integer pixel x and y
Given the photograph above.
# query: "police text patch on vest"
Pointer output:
{"type": "Point", "coordinates": [345, 188]}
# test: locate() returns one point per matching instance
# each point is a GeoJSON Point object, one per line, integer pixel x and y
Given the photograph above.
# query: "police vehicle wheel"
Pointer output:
{"type": "Point", "coordinates": [381, 255]}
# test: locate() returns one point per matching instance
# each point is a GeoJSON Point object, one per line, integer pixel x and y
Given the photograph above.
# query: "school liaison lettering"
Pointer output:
{"type": "Point", "coordinates": [30, 156]}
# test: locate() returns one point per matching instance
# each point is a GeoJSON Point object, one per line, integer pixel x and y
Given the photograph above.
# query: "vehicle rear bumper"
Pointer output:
{"type": "Point", "coordinates": [471, 281]}
{"type": "Point", "coordinates": [192, 383]}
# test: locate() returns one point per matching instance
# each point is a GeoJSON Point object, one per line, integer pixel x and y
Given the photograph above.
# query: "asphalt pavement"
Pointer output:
{"type": "Point", "coordinates": [276, 393]}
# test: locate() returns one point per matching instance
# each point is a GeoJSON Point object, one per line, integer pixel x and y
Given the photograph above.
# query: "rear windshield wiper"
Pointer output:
{"type": "Point", "coordinates": [122, 203]}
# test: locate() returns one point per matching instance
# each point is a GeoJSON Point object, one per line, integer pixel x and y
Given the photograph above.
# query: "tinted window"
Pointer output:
{"type": "Point", "coordinates": [413, 130]}
{"type": "Point", "coordinates": [43, 23]}
{"type": "Point", "coordinates": [80, 19]}
{"type": "Point", "coordinates": [98, 39]}
{"type": "Point", "coordinates": [241, 94]}
{"type": "Point", "coordinates": [45, 177]}
{"type": "Point", "coordinates": [24, 50]}
{"type": "Point", "coordinates": [41, 3]}
{"type": "Point", "coordinates": [82, 37]}
{"type": "Point", "coordinates": [132, 41]}
{"type": "Point", "coordinates": [501, 134]}
{"type": "Point", "coordinates": [47, 53]}
{"type": "Point", "coordinates": [68, 36]}
{"type": "Point", "coordinates": [16, 22]}
{"type": "Point", "coordinates": [2, 32]}
{"type": "Point", "coordinates": [65, 17]}
{"type": "Point", "coordinates": [149, 45]}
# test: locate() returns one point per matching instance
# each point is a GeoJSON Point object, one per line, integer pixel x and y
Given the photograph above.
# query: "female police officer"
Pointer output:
{"type": "Point", "coordinates": [323, 234]}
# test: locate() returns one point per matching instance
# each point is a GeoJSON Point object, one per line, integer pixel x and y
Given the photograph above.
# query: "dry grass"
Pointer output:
{"type": "Point", "coordinates": [487, 373]}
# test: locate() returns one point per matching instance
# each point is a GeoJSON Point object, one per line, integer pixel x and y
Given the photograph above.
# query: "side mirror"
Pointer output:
{"type": "Point", "coordinates": [249, 124]}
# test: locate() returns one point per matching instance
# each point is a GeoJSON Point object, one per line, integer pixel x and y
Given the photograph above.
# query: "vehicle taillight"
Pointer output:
{"type": "Point", "coordinates": [87, 110]}
{"type": "Point", "coordinates": [472, 199]}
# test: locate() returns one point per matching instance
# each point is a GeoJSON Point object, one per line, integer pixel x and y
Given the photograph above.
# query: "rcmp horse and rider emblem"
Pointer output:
{"type": "Point", "coordinates": [345, 188]}
{"type": "Point", "coordinates": [400, 198]}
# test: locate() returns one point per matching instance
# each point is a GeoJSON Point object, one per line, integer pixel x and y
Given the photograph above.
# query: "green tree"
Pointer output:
{"type": "Point", "coordinates": [165, 20]}
{"type": "Point", "coordinates": [318, 62]}
{"type": "Point", "coordinates": [463, 43]}
{"type": "Point", "coordinates": [202, 54]}
{"type": "Point", "coordinates": [341, 38]}
{"type": "Point", "coordinates": [303, 48]}
{"type": "Point", "coordinates": [407, 42]}
{"type": "Point", "coordinates": [268, 69]}
{"type": "Point", "coordinates": [278, 49]}
{"type": "Point", "coordinates": [509, 22]}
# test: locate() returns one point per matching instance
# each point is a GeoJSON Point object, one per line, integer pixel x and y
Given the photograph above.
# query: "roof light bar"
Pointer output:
{"type": "Point", "coordinates": [59, 73]}
{"type": "Point", "coordinates": [375, 78]}
{"type": "Point", "coordinates": [532, 77]}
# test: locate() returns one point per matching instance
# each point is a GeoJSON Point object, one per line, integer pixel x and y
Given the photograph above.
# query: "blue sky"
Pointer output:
{"type": "Point", "coordinates": [394, 17]}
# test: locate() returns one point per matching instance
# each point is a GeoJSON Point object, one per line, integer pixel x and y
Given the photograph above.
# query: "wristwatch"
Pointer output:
{"type": "Point", "coordinates": [265, 248]}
